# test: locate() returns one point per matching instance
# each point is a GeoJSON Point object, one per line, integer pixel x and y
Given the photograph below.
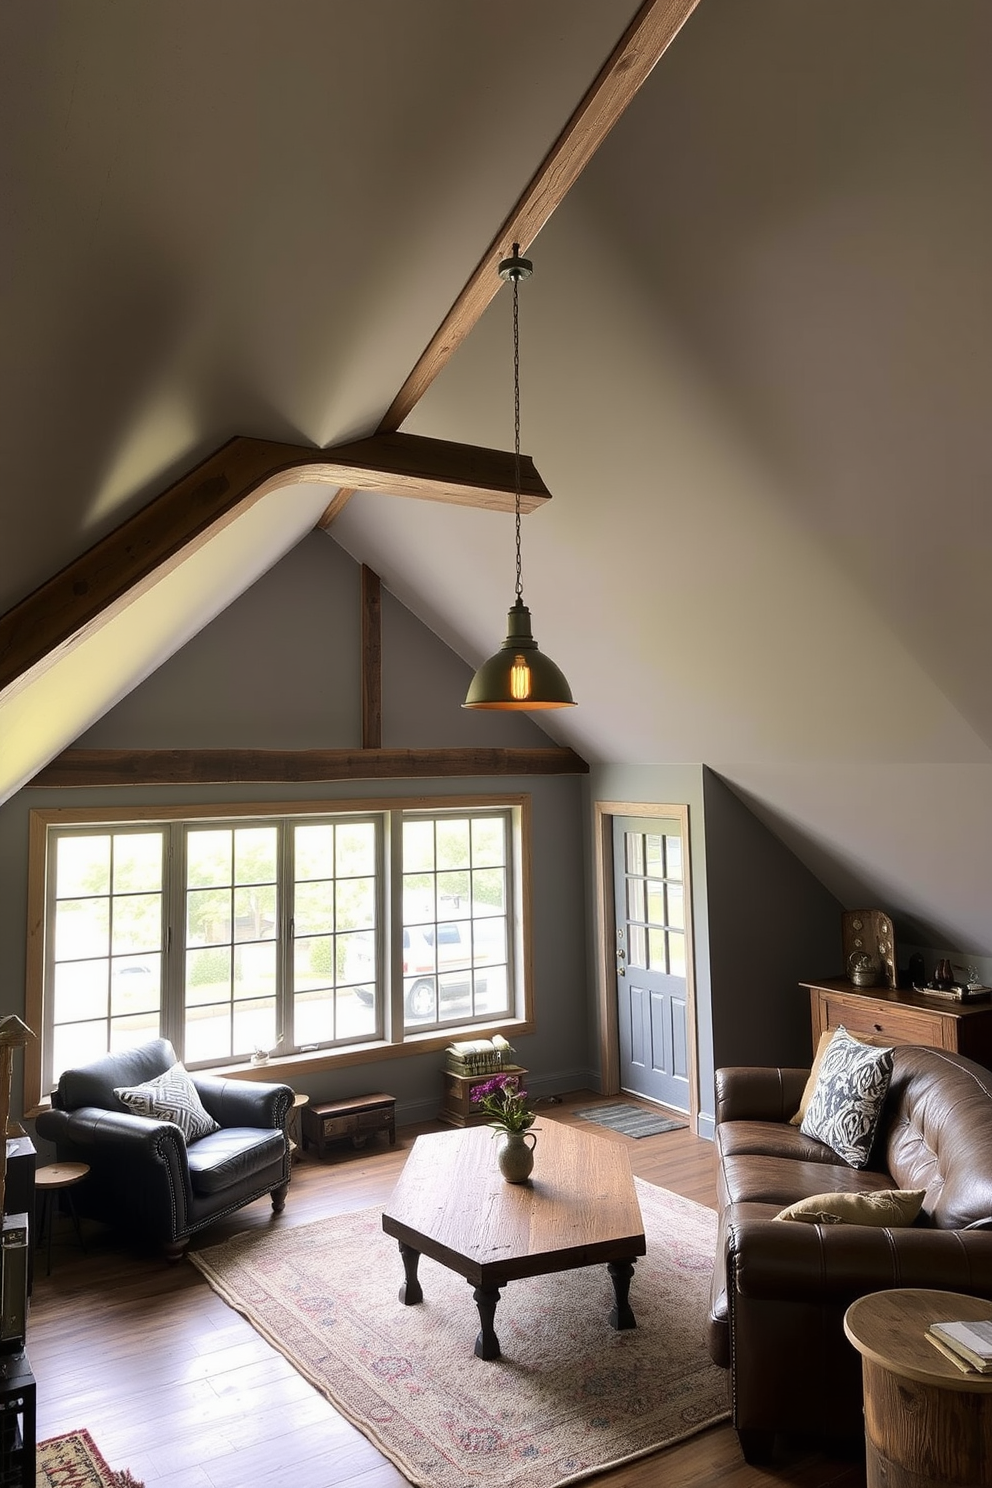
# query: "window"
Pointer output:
{"type": "Point", "coordinates": [298, 933]}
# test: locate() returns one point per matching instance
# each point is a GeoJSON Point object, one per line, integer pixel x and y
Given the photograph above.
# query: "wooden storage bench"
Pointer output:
{"type": "Point", "coordinates": [357, 1118]}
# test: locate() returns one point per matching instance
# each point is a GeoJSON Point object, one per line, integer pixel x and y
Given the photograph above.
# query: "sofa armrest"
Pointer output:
{"type": "Point", "coordinates": [779, 1261]}
{"type": "Point", "coordinates": [757, 1093]}
{"type": "Point", "coordinates": [244, 1102]}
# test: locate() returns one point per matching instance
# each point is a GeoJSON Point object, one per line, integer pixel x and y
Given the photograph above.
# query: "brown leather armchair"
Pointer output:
{"type": "Point", "coordinates": [143, 1177]}
{"type": "Point", "coordinates": [780, 1289]}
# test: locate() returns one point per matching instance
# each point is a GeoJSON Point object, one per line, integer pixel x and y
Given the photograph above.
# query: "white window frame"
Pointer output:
{"type": "Point", "coordinates": [393, 1038]}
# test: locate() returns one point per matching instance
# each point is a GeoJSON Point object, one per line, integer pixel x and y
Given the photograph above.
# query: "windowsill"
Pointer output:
{"type": "Point", "coordinates": [284, 1068]}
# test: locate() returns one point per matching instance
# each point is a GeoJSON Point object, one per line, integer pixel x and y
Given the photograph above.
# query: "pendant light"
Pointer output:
{"type": "Point", "coordinates": [518, 676]}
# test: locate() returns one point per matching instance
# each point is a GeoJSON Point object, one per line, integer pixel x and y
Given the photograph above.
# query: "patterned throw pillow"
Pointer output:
{"type": "Point", "coordinates": [847, 1101]}
{"type": "Point", "coordinates": [170, 1097]}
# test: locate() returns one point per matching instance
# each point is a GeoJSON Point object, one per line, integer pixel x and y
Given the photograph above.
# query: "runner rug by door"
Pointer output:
{"type": "Point", "coordinates": [631, 1121]}
{"type": "Point", "coordinates": [569, 1396]}
{"type": "Point", "coordinates": [74, 1461]}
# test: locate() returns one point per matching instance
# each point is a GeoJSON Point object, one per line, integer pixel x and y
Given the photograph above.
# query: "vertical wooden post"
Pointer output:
{"type": "Point", "coordinates": [371, 660]}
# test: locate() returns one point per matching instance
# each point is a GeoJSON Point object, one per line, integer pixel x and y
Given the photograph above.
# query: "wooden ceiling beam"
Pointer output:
{"type": "Point", "coordinates": [101, 582]}
{"type": "Point", "coordinates": [100, 767]}
{"type": "Point", "coordinates": [647, 38]}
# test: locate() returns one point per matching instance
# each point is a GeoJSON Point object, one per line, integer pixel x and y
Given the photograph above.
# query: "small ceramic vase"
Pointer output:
{"type": "Point", "coordinates": [515, 1157]}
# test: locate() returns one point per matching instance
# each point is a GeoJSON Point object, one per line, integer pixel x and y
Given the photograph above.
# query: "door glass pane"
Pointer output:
{"type": "Point", "coordinates": [676, 953]}
{"type": "Point", "coordinates": [255, 855]}
{"type": "Point", "coordinates": [634, 852]}
{"type": "Point", "coordinates": [656, 901]}
{"type": "Point", "coordinates": [654, 854]}
{"type": "Point", "coordinates": [637, 947]}
{"type": "Point", "coordinates": [636, 905]}
{"type": "Point", "coordinates": [137, 862]}
{"type": "Point", "coordinates": [673, 858]}
{"type": "Point", "coordinates": [676, 906]}
{"type": "Point", "coordinates": [656, 950]}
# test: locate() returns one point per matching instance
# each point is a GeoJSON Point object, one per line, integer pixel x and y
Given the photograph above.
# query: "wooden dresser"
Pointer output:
{"type": "Point", "coordinates": [902, 1017]}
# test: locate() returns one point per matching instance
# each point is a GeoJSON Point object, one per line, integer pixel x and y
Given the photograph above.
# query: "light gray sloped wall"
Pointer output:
{"type": "Point", "coordinates": [280, 669]}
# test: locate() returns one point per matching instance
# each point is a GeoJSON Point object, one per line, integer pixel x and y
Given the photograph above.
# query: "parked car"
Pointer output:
{"type": "Point", "coordinates": [444, 960]}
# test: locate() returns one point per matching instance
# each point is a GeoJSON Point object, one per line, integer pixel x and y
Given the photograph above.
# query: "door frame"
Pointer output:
{"type": "Point", "coordinates": [605, 930]}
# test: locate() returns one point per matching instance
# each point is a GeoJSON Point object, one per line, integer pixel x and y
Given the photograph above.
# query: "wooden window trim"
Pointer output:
{"type": "Point", "coordinates": [291, 1066]}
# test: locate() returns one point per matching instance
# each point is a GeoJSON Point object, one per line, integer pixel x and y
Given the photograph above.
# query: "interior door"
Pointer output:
{"type": "Point", "coordinates": [651, 951]}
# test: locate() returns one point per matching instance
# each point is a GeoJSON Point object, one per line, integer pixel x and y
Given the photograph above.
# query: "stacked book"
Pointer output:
{"type": "Point", "coordinates": [477, 1056]}
{"type": "Point", "coordinates": [968, 1345]}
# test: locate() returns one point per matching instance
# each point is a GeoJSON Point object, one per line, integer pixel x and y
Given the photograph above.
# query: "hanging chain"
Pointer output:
{"type": "Point", "coordinates": [516, 420]}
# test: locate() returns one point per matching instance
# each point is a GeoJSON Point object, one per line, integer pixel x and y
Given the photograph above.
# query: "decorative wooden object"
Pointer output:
{"type": "Point", "coordinates": [902, 1017]}
{"type": "Point", "coordinates": [13, 1035]}
{"type": "Point", "coordinates": [927, 1425]}
{"type": "Point", "coordinates": [453, 1204]}
{"type": "Point", "coordinates": [869, 940]}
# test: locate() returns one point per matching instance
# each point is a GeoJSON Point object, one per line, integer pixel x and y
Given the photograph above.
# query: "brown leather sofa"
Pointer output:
{"type": "Point", "coordinates": [780, 1288]}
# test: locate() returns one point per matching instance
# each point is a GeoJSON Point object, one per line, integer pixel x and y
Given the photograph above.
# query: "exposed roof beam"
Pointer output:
{"type": "Point", "coordinates": [98, 584]}
{"type": "Point", "coordinates": [98, 767]}
{"type": "Point", "coordinates": [628, 67]}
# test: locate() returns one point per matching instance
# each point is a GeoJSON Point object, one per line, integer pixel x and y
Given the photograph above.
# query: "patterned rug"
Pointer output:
{"type": "Point", "coordinates": [569, 1397]}
{"type": "Point", "coordinates": [74, 1461]}
{"type": "Point", "coordinates": [632, 1121]}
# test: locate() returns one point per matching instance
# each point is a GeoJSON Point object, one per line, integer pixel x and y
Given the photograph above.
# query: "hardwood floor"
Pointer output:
{"type": "Point", "coordinates": [177, 1387]}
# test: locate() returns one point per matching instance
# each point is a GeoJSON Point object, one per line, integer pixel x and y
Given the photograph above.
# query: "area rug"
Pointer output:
{"type": "Point", "coordinates": [74, 1461]}
{"type": "Point", "coordinates": [569, 1397]}
{"type": "Point", "coordinates": [632, 1121]}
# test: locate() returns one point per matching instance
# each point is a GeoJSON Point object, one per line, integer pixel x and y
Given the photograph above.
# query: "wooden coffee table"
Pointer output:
{"type": "Point", "coordinates": [579, 1208]}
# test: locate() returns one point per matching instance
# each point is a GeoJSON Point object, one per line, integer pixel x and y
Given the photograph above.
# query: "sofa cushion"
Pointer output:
{"type": "Point", "coordinates": [888, 1206]}
{"type": "Point", "coordinates": [170, 1097]}
{"type": "Point", "coordinates": [229, 1155]}
{"type": "Point", "coordinates": [781, 1180]}
{"type": "Point", "coordinates": [847, 1102]}
{"type": "Point", "coordinates": [770, 1139]}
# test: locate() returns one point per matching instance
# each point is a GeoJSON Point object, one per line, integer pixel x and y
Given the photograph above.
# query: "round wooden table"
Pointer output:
{"type": "Point", "coordinates": [926, 1423]}
{"type": "Point", "coordinates": [48, 1181]}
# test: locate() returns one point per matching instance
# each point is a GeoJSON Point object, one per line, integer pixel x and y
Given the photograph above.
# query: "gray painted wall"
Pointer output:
{"type": "Point", "coordinates": [279, 668]}
{"type": "Point", "coordinates": [771, 926]}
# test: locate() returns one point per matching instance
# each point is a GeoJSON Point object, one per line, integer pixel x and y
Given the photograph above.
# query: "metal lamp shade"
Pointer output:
{"type": "Point", "coordinates": [518, 676]}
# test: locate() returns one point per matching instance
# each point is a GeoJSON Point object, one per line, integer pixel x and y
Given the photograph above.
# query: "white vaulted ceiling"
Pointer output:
{"type": "Point", "coordinates": [756, 361]}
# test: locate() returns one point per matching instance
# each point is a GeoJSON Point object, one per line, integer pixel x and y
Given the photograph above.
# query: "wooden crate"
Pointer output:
{"type": "Point", "coordinates": [357, 1119]}
{"type": "Point", "coordinates": [456, 1108]}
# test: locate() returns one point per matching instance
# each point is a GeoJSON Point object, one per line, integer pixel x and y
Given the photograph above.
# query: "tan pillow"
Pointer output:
{"type": "Point", "coordinates": [889, 1207]}
{"type": "Point", "coordinates": [821, 1048]}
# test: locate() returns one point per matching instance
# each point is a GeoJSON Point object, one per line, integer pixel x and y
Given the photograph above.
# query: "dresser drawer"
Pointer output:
{"type": "Point", "coordinates": [897, 1024]}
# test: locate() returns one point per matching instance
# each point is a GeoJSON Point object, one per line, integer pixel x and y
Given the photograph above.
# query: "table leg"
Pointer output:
{"type": "Point", "coordinates": [411, 1291]}
{"type": "Point", "coordinates": [620, 1274]}
{"type": "Point", "coordinates": [487, 1344]}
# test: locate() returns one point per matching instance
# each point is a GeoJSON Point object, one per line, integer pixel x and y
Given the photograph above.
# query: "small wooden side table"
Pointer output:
{"type": "Point", "coordinates": [48, 1181]}
{"type": "Point", "coordinates": [927, 1425]}
{"type": "Point", "coordinates": [293, 1133]}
